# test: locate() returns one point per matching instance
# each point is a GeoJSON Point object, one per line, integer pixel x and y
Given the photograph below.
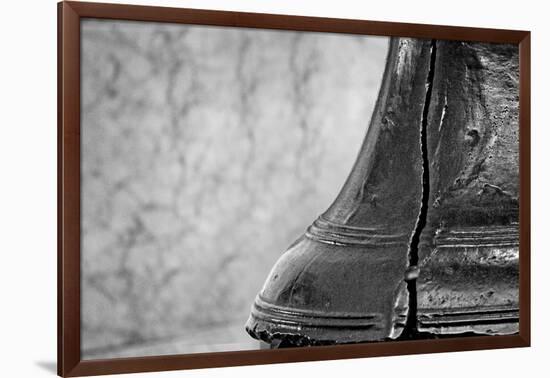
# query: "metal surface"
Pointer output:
{"type": "Point", "coordinates": [469, 249]}
{"type": "Point", "coordinates": [343, 281]}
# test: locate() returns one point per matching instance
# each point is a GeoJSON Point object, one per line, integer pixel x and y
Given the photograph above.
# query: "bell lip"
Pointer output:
{"type": "Point", "coordinates": [269, 322]}
{"type": "Point", "coordinates": [262, 309]}
{"type": "Point", "coordinates": [487, 320]}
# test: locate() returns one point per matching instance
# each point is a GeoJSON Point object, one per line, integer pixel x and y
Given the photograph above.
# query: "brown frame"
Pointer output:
{"type": "Point", "coordinates": [69, 15]}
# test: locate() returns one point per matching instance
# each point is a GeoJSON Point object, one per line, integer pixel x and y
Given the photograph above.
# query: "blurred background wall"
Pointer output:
{"type": "Point", "coordinates": [206, 152]}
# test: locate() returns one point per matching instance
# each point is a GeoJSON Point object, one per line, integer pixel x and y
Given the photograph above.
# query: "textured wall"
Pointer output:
{"type": "Point", "coordinates": [205, 152]}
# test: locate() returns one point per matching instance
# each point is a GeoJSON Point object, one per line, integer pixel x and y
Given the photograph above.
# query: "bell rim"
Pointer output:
{"type": "Point", "coordinates": [269, 322]}
{"type": "Point", "coordinates": [264, 310]}
{"type": "Point", "coordinates": [496, 319]}
{"type": "Point", "coordinates": [311, 335]}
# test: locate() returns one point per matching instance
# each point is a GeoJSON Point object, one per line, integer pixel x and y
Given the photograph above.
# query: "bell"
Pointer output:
{"type": "Point", "coordinates": [468, 253]}
{"type": "Point", "coordinates": [343, 280]}
{"type": "Point", "coordinates": [423, 238]}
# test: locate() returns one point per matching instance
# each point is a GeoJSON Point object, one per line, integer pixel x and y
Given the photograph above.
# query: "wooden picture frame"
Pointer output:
{"type": "Point", "coordinates": [69, 17]}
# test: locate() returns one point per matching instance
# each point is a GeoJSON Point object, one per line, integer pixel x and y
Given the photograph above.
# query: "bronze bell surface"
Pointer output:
{"type": "Point", "coordinates": [468, 255]}
{"type": "Point", "coordinates": [343, 280]}
{"type": "Point", "coordinates": [423, 238]}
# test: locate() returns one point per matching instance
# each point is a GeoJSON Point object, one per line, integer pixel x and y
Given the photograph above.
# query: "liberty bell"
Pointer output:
{"type": "Point", "coordinates": [423, 236]}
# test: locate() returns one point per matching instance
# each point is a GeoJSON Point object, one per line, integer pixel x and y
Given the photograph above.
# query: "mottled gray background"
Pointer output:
{"type": "Point", "coordinates": [205, 152]}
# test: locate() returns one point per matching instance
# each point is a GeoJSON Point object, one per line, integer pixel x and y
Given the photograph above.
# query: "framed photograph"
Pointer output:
{"type": "Point", "coordinates": [240, 188]}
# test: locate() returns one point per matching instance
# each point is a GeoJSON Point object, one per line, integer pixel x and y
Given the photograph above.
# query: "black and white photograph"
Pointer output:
{"type": "Point", "coordinates": [275, 188]}
{"type": "Point", "coordinates": [247, 188]}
